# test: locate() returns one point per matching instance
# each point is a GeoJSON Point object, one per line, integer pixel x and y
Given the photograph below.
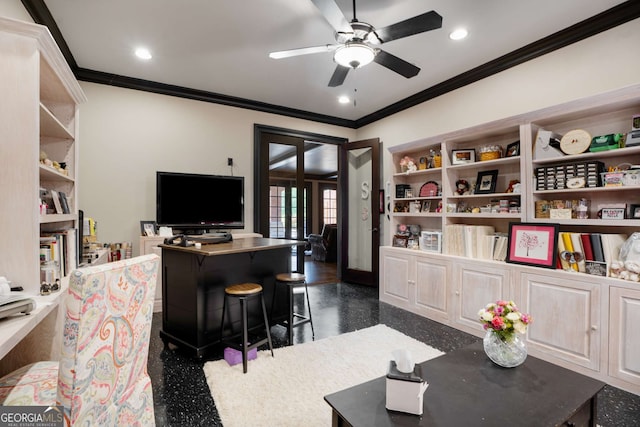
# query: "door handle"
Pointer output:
{"type": "Point", "coordinates": [375, 230]}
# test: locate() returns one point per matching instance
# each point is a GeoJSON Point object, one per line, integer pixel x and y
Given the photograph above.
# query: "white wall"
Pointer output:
{"type": "Point", "coordinates": [598, 64]}
{"type": "Point", "coordinates": [127, 135]}
{"type": "Point", "coordinates": [15, 10]}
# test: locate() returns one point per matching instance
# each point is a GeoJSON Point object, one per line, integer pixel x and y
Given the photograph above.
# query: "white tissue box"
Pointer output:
{"type": "Point", "coordinates": [405, 391]}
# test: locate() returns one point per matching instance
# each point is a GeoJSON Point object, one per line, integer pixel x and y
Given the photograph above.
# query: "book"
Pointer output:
{"type": "Point", "coordinates": [564, 262]}
{"type": "Point", "coordinates": [64, 203]}
{"type": "Point", "coordinates": [578, 251]}
{"type": "Point", "coordinates": [586, 246]}
{"type": "Point", "coordinates": [596, 246]}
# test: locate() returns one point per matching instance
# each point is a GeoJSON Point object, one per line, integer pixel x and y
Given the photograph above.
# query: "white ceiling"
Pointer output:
{"type": "Point", "coordinates": [222, 46]}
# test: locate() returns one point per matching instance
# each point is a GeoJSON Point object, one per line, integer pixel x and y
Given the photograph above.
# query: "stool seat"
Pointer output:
{"type": "Point", "coordinates": [291, 281]}
{"type": "Point", "coordinates": [243, 289]}
{"type": "Point", "coordinates": [291, 277]}
{"type": "Point", "coordinates": [243, 292]}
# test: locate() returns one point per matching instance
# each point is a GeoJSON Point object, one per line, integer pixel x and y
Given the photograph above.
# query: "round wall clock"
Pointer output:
{"type": "Point", "coordinates": [575, 142]}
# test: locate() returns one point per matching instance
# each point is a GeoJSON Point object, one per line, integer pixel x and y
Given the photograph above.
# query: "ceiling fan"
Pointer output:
{"type": "Point", "coordinates": [356, 42]}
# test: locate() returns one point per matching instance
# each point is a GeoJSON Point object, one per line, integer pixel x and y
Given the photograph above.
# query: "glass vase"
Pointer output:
{"type": "Point", "coordinates": [507, 351]}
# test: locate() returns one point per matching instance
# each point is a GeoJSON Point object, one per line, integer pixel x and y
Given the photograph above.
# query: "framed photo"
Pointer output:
{"type": "Point", "coordinates": [634, 211]}
{"type": "Point", "coordinates": [533, 244]}
{"type": "Point", "coordinates": [460, 157]}
{"type": "Point", "coordinates": [148, 228]}
{"type": "Point", "coordinates": [513, 149]}
{"type": "Point", "coordinates": [486, 182]}
{"type": "Point", "coordinates": [400, 241]}
{"type": "Point", "coordinates": [426, 206]}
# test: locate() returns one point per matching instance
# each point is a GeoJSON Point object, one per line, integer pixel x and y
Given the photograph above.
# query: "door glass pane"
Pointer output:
{"type": "Point", "coordinates": [329, 206]}
{"type": "Point", "coordinates": [360, 173]}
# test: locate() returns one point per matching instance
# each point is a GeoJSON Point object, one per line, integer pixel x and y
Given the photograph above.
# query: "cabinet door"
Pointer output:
{"type": "Point", "coordinates": [432, 296]}
{"type": "Point", "coordinates": [394, 274]}
{"type": "Point", "coordinates": [566, 317]}
{"type": "Point", "coordinates": [624, 348]}
{"type": "Point", "coordinates": [478, 284]}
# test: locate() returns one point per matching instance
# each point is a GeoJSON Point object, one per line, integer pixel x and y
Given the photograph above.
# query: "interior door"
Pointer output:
{"type": "Point", "coordinates": [359, 165]}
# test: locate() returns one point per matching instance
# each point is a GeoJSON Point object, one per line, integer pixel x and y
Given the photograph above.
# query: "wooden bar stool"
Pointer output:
{"type": "Point", "coordinates": [292, 281]}
{"type": "Point", "coordinates": [245, 292]}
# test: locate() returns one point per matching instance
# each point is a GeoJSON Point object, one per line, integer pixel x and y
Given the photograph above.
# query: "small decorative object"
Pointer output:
{"type": "Point", "coordinates": [504, 323]}
{"type": "Point", "coordinates": [462, 187]}
{"type": "Point", "coordinates": [437, 159]}
{"type": "Point", "coordinates": [489, 152]}
{"type": "Point", "coordinates": [429, 189]}
{"type": "Point", "coordinates": [460, 157]}
{"type": "Point", "coordinates": [486, 182]}
{"type": "Point", "coordinates": [423, 163]}
{"type": "Point", "coordinates": [611, 213]}
{"type": "Point", "coordinates": [407, 164]}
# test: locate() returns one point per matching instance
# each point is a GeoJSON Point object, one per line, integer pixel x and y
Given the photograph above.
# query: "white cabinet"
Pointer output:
{"type": "Point", "coordinates": [624, 336]}
{"type": "Point", "coordinates": [38, 112]}
{"type": "Point", "coordinates": [417, 282]}
{"type": "Point", "coordinates": [476, 284]}
{"type": "Point", "coordinates": [566, 316]}
{"type": "Point", "coordinates": [149, 245]}
{"type": "Point", "coordinates": [584, 322]}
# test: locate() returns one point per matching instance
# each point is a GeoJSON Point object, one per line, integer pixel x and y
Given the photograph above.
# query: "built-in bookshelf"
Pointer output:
{"type": "Point", "coordinates": [39, 118]}
{"type": "Point", "coordinates": [480, 192]}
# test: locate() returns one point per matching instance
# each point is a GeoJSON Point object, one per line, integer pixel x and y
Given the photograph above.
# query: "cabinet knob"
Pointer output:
{"type": "Point", "coordinates": [457, 292]}
{"type": "Point", "coordinates": [594, 328]}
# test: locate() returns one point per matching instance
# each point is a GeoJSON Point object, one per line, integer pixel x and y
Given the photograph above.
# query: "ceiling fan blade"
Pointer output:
{"type": "Point", "coordinates": [333, 15]}
{"type": "Point", "coordinates": [338, 76]}
{"type": "Point", "coordinates": [303, 51]}
{"type": "Point", "coordinates": [396, 64]}
{"type": "Point", "coordinates": [416, 25]}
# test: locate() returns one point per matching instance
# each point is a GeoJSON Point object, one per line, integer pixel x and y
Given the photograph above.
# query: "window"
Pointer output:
{"type": "Point", "coordinates": [329, 204]}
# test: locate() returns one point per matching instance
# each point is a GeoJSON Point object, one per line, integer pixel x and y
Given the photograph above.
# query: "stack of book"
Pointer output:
{"type": "Point", "coordinates": [473, 241]}
{"type": "Point", "coordinates": [57, 255]}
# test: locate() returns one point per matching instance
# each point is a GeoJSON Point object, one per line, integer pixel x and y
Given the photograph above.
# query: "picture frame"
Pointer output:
{"type": "Point", "coordinates": [513, 149]}
{"type": "Point", "coordinates": [148, 228]}
{"type": "Point", "coordinates": [486, 182]}
{"type": "Point", "coordinates": [426, 206]}
{"type": "Point", "coordinates": [534, 244]}
{"type": "Point", "coordinates": [634, 211]}
{"type": "Point", "coordinates": [612, 213]}
{"type": "Point", "coordinates": [400, 241]}
{"type": "Point", "coordinates": [461, 157]}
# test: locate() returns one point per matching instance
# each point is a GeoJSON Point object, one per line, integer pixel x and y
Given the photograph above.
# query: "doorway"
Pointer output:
{"type": "Point", "coordinates": [291, 168]}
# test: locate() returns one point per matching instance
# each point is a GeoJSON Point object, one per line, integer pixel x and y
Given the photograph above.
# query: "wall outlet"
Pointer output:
{"type": "Point", "coordinates": [229, 161]}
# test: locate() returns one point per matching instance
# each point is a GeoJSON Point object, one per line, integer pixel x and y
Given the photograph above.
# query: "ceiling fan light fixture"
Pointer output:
{"type": "Point", "coordinates": [354, 55]}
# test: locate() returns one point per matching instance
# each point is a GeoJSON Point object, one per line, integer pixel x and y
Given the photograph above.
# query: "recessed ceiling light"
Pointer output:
{"type": "Point", "coordinates": [344, 99]}
{"type": "Point", "coordinates": [458, 34]}
{"type": "Point", "coordinates": [143, 53]}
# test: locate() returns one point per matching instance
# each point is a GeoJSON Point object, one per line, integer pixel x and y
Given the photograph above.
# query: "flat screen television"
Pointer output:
{"type": "Point", "coordinates": [196, 203]}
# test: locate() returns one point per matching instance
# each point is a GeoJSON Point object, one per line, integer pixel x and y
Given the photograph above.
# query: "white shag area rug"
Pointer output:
{"type": "Point", "coordinates": [289, 389]}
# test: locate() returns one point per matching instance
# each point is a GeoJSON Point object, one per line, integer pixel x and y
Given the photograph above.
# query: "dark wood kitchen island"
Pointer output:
{"type": "Point", "coordinates": [193, 283]}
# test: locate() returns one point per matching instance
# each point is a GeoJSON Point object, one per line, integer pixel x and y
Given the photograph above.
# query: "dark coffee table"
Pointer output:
{"type": "Point", "coordinates": [467, 389]}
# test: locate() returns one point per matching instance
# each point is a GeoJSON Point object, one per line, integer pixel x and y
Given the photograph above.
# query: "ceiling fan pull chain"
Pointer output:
{"type": "Point", "coordinates": [354, 12]}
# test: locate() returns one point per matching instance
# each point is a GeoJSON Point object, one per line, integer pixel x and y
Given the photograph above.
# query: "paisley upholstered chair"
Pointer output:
{"type": "Point", "coordinates": [101, 378]}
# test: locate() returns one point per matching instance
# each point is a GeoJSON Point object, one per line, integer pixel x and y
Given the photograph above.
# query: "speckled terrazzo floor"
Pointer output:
{"type": "Point", "coordinates": [182, 397]}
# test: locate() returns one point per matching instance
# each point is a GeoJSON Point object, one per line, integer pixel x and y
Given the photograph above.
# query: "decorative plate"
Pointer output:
{"type": "Point", "coordinates": [429, 189]}
{"type": "Point", "coordinates": [575, 142]}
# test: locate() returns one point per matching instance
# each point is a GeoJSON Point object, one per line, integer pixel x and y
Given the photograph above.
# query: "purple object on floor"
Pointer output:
{"type": "Point", "coordinates": [233, 356]}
